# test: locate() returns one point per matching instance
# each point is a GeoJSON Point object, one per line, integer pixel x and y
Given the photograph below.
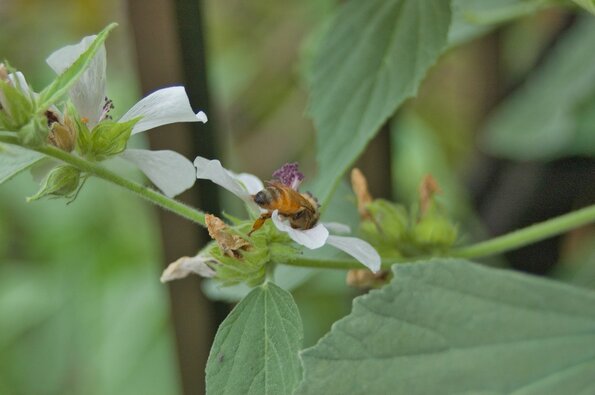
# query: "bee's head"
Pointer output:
{"type": "Point", "coordinates": [261, 198]}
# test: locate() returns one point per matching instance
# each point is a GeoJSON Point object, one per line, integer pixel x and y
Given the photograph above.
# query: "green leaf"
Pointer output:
{"type": "Point", "coordinates": [588, 5]}
{"type": "Point", "coordinates": [60, 86]}
{"type": "Point", "coordinates": [373, 57]}
{"type": "Point", "coordinates": [454, 327]}
{"type": "Point", "coordinates": [14, 159]}
{"type": "Point", "coordinates": [539, 121]}
{"type": "Point", "coordinates": [256, 348]}
{"type": "Point", "coordinates": [110, 138]}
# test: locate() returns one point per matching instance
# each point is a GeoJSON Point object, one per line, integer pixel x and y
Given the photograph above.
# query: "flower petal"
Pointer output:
{"type": "Point", "coordinates": [357, 248]}
{"type": "Point", "coordinates": [18, 80]}
{"type": "Point", "coordinates": [169, 171]}
{"type": "Point", "coordinates": [168, 105]}
{"type": "Point", "coordinates": [186, 265]}
{"type": "Point", "coordinates": [251, 183]}
{"type": "Point", "coordinates": [207, 169]}
{"type": "Point", "coordinates": [310, 238]}
{"type": "Point", "coordinates": [89, 92]}
{"type": "Point", "coordinates": [202, 117]}
{"type": "Point", "coordinates": [337, 227]}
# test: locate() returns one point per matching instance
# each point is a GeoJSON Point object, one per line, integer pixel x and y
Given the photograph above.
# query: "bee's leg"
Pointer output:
{"type": "Point", "coordinates": [259, 222]}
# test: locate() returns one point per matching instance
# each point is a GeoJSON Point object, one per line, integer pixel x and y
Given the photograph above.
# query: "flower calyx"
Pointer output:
{"type": "Point", "coordinates": [62, 181]}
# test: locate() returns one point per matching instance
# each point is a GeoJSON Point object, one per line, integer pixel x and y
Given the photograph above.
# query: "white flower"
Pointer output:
{"type": "Point", "coordinates": [168, 170]}
{"type": "Point", "coordinates": [246, 185]}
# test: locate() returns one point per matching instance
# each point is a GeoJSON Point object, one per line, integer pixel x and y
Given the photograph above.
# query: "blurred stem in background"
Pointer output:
{"type": "Point", "coordinates": [169, 44]}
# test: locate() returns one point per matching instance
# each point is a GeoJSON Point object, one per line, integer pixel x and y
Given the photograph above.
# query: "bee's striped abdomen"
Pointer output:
{"type": "Point", "coordinates": [272, 198]}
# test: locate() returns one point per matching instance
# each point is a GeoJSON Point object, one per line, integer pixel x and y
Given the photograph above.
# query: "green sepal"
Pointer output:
{"type": "Point", "coordinates": [435, 233]}
{"type": "Point", "coordinates": [387, 227]}
{"type": "Point", "coordinates": [83, 134]}
{"type": "Point", "coordinates": [250, 267]}
{"type": "Point", "coordinates": [34, 133]}
{"type": "Point", "coordinates": [109, 138]}
{"type": "Point", "coordinates": [61, 181]}
{"type": "Point", "coordinates": [5, 122]}
{"type": "Point", "coordinates": [17, 107]}
{"type": "Point", "coordinates": [392, 218]}
{"type": "Point", "coordinates": [60, 86]}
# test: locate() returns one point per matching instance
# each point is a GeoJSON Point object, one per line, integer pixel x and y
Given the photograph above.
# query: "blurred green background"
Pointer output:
{"type": "Point", "coordinates": [81, 307]}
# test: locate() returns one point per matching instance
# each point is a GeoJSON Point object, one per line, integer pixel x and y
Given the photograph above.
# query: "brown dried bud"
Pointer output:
{"type": "Point", "coordinates": [360, 188]}
{"type": "Point", "coordinates": [364, 278]}
{"type": "Point", "coordinates": [427, 189]}
{"type": "Point", "coordinates": [229, 243]}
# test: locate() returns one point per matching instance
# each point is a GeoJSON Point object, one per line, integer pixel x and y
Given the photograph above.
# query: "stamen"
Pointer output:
{"type": "Point", "coordinates": [108, 105]}
{"type": "Point", "coordinates": [289, 175]}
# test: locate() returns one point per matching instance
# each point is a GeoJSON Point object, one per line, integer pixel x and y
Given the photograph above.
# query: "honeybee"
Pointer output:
{"type": "Point", "coordinates": [301, 209]}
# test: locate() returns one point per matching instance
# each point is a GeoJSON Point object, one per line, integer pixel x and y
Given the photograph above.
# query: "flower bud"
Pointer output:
{"type": "Point", "coordinates": [61, 181]}
{"type": "Point", "coordinates": [16, 100]}
{"type": "Point", "coordinates": [62, 136]}
{"type": "Point", "coordinates": [434, 232]}
{"type": "Point", "coordinates": [386, 227]}
{"type": "Point", "coordinates": [390, 218]}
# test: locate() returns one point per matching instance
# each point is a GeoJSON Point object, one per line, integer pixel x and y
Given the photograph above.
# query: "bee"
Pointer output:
{"type": "Point", "coordinates": [301, 209]}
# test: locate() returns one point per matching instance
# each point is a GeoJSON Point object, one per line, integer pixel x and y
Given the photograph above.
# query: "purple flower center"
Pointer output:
{"type": "Point", "coordinates": [289, 175]}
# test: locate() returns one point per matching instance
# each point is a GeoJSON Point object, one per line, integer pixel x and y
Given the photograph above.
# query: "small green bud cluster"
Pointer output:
{"type": "Point", "coordinates": [252, 261]}
{"type": "Point", "coordinates": [396, 232]}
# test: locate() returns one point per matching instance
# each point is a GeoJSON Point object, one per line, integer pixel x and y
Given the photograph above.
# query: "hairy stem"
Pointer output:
{"type": "Point", "coordinates": [99, 171]}
{"type": "Point", "coordinates": [530, 234]}
{"type": "Point", "coordinates": [497, 245]}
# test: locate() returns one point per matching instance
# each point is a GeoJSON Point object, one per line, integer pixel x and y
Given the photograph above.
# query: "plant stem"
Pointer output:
{"type": "Point", "coordinates": [107, 175]}
{"type": "Point", "coordinates": [345, 264]}
{"type": "Point", "coordinates": [497, 245]}
{"type": "Point", "coordinates": [530, 234]}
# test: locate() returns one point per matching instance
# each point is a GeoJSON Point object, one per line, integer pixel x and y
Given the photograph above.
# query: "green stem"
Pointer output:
{"type": "Point", "coordinates": [107, 175]}
{"type": "Point", "coordinates": [497, 245]}
{"type": "Point", "coordinates": [530, 234]}
{"type": "Point", "coordinates": [345, 264]}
